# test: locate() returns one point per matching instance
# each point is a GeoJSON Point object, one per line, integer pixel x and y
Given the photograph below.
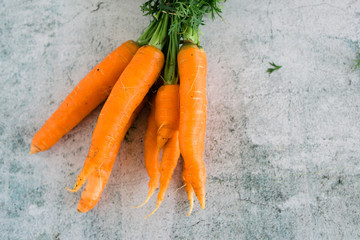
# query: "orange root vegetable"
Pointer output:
{"type": "Point", "coordinates": [171, 154]}
{"type": "Point", "coordinates": [99, 178]}
{"type": "Point", "coordinates": [86, 96]}
{"type": "Point", "coordinates": [163, 122]}
{"type": "Point", "coordinates": [96, 184]}
{"type": "Point", "coordinates": [151, 153]}
{"type": "Point", "coordinates": [167, 112]}
{"type": "Point", "coordinates": [193, 105]}
{"type": "Point", "coordinates": [190, 195]}
{"type": "Point", "coordinates": [125, 97]}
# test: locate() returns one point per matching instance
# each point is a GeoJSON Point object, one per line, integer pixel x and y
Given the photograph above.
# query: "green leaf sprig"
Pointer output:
{"type": "Point", "coordinates": [357, 62]}
{"type": "Point", "coordinates": [190, 13]}
{"type": "Point", "coordinates": [274, 68]}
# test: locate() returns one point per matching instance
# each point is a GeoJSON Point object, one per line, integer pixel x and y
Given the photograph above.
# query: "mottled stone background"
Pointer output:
{"type": "Point", "coordinates": [282, 151]}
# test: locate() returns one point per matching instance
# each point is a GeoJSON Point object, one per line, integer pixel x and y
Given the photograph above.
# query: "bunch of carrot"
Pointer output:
{"type": "Point", "coordinates": [123, 79]}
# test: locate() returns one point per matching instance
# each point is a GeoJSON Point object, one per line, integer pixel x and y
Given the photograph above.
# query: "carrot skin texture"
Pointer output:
{"type": "Point", "coordinates": [171, 154]}
{"type": "Point", "coordinates": [99, 178]}
{"type": "Point", "coordinates": [163, 122]}
{"type": "Point", "coordinates": [127, 94]}
{"type": "Point", "coordinates": [193, 106]}
{"type": "Point", "coordinates": [85, 97]}
{"type": "Point", "coordinates": [190, 195]}
{"type": "Point", "coordinates": [167, 112]}
{"type": "Point", "coordinates": [152, 153]}
{"type": "Point", "coordinates": [96, 184]}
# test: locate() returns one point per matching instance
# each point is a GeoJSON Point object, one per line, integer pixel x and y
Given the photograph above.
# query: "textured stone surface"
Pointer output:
{"type": "Point", "coordinates": [282, 151]}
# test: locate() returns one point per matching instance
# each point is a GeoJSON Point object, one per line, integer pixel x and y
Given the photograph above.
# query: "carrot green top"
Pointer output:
{"type": "Point", "coordinates": [149, 31]}
{"type": "Point", "coordinates": [174, 20]}
{"type": "Point", "coordinates": [156, 33]}
{"type": "Point", "coordinates": [170, 70]}
{"type": "Point", "coordinates": [189, 14]}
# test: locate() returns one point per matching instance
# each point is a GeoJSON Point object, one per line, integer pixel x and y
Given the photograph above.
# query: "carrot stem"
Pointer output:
{"type": "Point", "coordinates": [170, 70]}
{"type": "Point", "coordinates": [149, 31]}
{"type": "Point", "coordinates": [191, 35]}
{"type": "Point", "coordinates": [159, 37]}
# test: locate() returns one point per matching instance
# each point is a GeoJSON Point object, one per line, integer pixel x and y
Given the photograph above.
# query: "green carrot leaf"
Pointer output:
{"type": "Point", "coordinates": [357, 62]}
{"type": "Point", "coordinates": [274, 68]}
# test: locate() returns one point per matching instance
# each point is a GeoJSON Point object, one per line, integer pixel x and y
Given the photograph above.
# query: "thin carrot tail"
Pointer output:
{"type": "Point", "coordinates": [199, 184]}
{"type": "Point", "coordinates": [200, 194]}
{"type": "Point", "coordinates": [82, 178]}
{"type": "Point", "coordinates": [160, 198]}
{"type": "Point", "coordinates": [196, 179]}
{"type": "Point", "coordinates": [171, 154]}
{"type": "Point", "coordinates": [79, 183]}
{"type": "Point", "coordinates": [153, 185]}
{"type": "Point", "coordinates": [190, 194]}
{"type": "Point", "coordinates": [157, 207]}
{"type": "Point", "coordinates": [198, 188]}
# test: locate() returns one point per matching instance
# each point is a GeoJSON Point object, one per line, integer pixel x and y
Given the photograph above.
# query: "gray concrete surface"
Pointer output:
{"type": "Point", "coordinates": [282, 151]}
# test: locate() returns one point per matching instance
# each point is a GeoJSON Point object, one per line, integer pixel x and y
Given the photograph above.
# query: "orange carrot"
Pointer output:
{"type": "Point", "coordinates": [193, 105]}
{"type": "Point", "coordinates": [164, 119]}
{"type": "Point", "coordinates": [128, 92]}
{"type": "Point", "coordinates": [163, 122]}
{"type": "Point", "coordinates": [171, 154]}
{"type": "Point", "coordinates": [167, 112]}
{"type": "Point", "coordinates": [86, 96]}
{"type": "Point", "coordinates": [99, 178]}
{"type": "Point", "coordinates": [190, 195]}
{"type": "Point", "coordinates": [151, 153]}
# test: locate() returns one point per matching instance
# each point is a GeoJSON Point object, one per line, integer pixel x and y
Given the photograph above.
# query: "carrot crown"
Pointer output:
{"type": "Point", "coordinates": [191, 35]}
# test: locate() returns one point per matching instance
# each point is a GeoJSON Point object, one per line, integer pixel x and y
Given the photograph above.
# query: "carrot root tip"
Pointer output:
{"type": "Point", "coordinates": [202, 204]}
{"type": "Point", "coordinates": [150, 193]}
{"type": "Point", "coordinates": [146, 200]}
{"type": "Point", "coordinates": [157, 207]}
{"type": "Point", "coordinates": [190, 209]}
{"type": "Point", "coordinates": [74, 190]}
{"type": "Point", "coordinates": [82, 208]}
{"type": "Point", "coordinates": [34, 149]}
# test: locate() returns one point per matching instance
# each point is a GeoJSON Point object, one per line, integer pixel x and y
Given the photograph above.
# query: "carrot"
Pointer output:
{"type": "Point", "coordinates": [190, 195]}
{"type": "Point", "coordinates": [152, 153]}
{"type": "Point", "coordinates": [193, 105]}
{"type": "Point", "coordinates": [125, 97]}
{"type": "Point", "coordinates": [128, 92]}
{"type": "Point", "coordinates": [167, 113]}
{"type": "Point", "coordinates": [98, 179]}
{"type": "Point", "coordinates": [167, 97]}
{"type": "Point", "coordinates": [171, 154]}
{"type": "Point", "coordinates": [163, 121]}
{"type": "Point", "coordinates": [86, 96]}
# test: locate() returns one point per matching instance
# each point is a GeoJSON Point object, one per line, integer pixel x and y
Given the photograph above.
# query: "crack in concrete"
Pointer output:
{"type": "Point", "coordinates": [271, 25]}
{"type": "Point", "coordinates": [97, 7]}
